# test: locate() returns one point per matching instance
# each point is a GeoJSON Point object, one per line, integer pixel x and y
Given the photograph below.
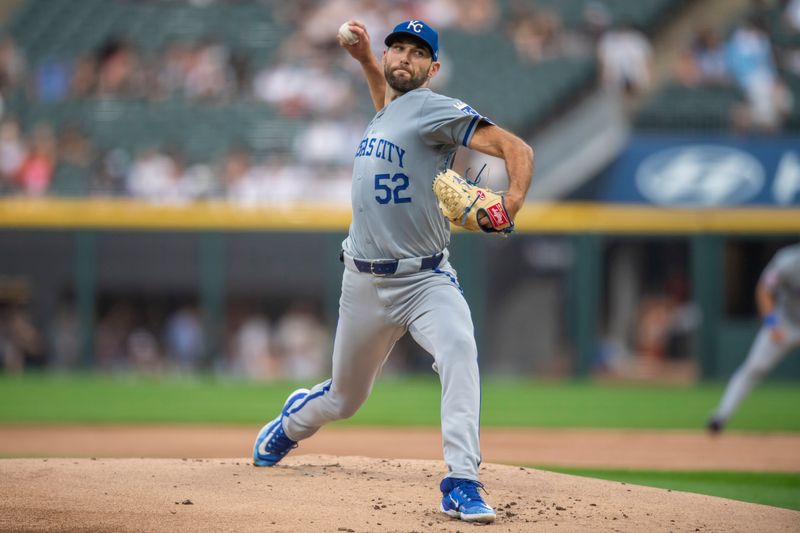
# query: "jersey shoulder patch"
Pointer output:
{"type": "Point", "coordinates": [466, 109]}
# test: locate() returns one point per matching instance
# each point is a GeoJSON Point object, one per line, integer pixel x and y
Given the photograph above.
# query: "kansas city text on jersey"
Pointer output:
{"type": "Point", "coordinates": [382, 149]}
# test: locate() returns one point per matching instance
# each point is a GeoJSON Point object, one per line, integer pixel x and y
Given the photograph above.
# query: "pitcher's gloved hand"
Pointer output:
{"type": "Point", "coordinates": [469, 206]}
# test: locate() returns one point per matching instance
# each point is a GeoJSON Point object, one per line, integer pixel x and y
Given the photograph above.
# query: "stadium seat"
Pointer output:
{"type": "Point", "coordinates": [70, 180]}
{"type": "Point", "coordinates": [689, 108]}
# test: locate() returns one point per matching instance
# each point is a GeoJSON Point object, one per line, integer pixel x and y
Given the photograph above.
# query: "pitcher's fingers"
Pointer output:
{"type": "Point", "coordinates": [361, 33]}
{"type": "Point", "coordinates": [357, 24]}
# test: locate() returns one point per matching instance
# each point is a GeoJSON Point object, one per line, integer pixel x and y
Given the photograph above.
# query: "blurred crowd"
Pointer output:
{"type": "Point", "coordinates": [308, 79]}
{"type": "Point", "coordinates": [159, 336]}
{"type": "Point", "coordinates": [154, 338]}
{"type": "Point", "coordinates": [751, 60]}
{"type": "Point", "coordinates": [312, 82]}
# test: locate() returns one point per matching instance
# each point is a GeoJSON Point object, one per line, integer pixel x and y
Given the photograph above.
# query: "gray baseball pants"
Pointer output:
{"type": "Point", "coordinates": [374, 312]}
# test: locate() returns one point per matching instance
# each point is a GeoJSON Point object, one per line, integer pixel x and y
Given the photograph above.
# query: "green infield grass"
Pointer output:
{"type": "Point", "coordinates": [768, 488]}
{"type": "Point", "coordinates": [97, 399]}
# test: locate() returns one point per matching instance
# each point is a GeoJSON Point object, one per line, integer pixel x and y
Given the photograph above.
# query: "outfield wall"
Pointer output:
{"type": "Point", "coordinates": [545, 301]}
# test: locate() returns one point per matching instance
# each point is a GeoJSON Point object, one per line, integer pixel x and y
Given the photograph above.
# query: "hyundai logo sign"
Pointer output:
{"type": "Point", "coordinates": [700, 175]}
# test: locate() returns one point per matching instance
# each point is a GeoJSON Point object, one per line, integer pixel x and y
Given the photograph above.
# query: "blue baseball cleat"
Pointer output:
{"type": "Point", "coordinates": [272, 444]}
{"type": "Point", "coordinates": [461, 500]}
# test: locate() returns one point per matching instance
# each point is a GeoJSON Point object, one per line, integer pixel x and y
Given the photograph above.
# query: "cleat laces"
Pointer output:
{"type": "Point", "coordinates": [280, 444]}
{"type": "Point", "coordinates": [471, 490]}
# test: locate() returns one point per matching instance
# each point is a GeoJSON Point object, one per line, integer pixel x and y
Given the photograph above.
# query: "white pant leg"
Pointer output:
{"type": "Point", "coordinates": [364, 337]}
{"type": "Point", "coordinates": [441, 323]}
{"type": "Point", "coordinates": [764, 355]}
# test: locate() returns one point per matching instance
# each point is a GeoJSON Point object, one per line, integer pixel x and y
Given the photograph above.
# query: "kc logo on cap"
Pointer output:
{"type": "Point", "coordinates": [415, 25]}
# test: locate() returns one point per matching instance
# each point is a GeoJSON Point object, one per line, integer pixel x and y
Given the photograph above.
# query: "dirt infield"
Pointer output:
{"type": "Point", "coordinates": [332, 494]}
{"type": "Point", "coordinates": [668, 450]}
{"type": "Point", "coordinates": [341, 480]}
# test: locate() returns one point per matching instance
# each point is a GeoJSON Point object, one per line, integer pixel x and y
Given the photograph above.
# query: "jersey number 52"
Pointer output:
{"type": "Point", "coordinates": [391, 192]}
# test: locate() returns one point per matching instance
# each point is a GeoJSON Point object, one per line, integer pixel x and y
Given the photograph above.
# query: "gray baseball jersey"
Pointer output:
{"type": "Point", "coordinates": [783, 275]}
{"type": "Point", "coordinates": [395, 213]}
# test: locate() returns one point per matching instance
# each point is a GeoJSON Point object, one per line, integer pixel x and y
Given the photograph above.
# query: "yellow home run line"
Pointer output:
{"type": "Point", "coordinates": [565, 217]}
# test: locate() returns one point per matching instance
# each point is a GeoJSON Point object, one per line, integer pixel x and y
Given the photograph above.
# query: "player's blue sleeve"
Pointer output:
{"type": "Point", "coordinates": [448, 121]}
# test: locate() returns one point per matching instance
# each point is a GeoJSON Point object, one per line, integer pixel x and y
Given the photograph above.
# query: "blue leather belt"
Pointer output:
{"type": "Point", "coordinates": [387, 267]}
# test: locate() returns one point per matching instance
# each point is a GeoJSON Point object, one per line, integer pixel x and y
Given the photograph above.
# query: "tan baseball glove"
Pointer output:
{"type": "Point", "coordinates": [469, 206]}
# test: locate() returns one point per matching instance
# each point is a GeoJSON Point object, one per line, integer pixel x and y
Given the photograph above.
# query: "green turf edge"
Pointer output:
{"type": "Point", "coordinates": [778, 489]}
{"type": "Point", "coordinates": [94, 399]}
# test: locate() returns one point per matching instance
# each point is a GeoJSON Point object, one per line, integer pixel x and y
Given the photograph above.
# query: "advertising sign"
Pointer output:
{"type": "Point", "coordinates": [705, 172]}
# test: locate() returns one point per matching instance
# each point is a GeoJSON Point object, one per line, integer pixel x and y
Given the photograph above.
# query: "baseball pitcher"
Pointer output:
{"type": "Point", "coordinates": [397, 276]}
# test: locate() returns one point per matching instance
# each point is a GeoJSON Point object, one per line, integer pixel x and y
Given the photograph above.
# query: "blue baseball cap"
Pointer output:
{"type": "Point", "coordinates": [418, 29]}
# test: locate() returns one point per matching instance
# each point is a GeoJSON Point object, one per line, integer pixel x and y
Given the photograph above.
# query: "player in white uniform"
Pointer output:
{"type": "Point", "coordinates": [397, 276]}
{"type": "Point", "coordinates": [778, 300]}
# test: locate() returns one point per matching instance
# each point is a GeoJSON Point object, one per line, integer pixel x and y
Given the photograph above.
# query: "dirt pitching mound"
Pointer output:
{"type": "Point", "coordinates": [329, 493]}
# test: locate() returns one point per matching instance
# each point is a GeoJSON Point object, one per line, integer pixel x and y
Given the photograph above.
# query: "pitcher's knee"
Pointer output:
{"type": "Point", "coordinates": [461, 349]}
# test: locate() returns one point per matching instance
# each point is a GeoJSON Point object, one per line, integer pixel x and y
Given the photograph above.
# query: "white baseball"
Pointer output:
{"type": "Point", "coordinates": [348, 37]}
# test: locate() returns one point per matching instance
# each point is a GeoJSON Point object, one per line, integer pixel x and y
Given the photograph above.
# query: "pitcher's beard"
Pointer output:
{"type": "Point", "coordinates": [404, 85]}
